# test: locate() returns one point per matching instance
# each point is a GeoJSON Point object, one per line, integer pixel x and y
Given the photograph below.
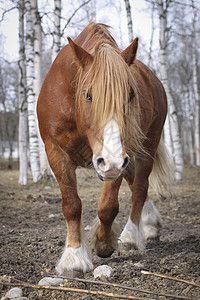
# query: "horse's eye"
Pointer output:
{"type": "Point", "coordinates": [89, 97]}
{"type": "Point", "coordinates": [131, 95]}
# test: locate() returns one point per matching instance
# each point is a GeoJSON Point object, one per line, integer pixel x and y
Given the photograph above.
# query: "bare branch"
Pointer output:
{"type": "Point", "coordinates": [7, 11]}
{"type": "Point", "coordinates": [73, 290]}
{"type": "Point", "coordinates": [74, 13]}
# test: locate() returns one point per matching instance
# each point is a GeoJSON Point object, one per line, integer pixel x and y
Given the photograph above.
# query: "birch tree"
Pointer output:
{"type": "Point", "coordinates": [33, 137]}
{"type": "Point", "coordinates": [152, 34]}
{"type": "Point", "coordinates": [56, 30]}
{"type": "Point", "coordinates": [129, 20]}
{"type": "Point", "coordinates": [23, 126]}
{"type": "Point", "coordinates": [195, 87]}
{"type": "Point", "coordinates": [37, 79]}
{"type": "Point", "coordinates": [171, 128]}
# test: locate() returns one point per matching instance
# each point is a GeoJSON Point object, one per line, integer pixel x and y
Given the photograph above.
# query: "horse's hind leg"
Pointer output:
{"type": "Point", "coordinates": [76, 255]}
{"type": "Point", "coordinates": [144, 218]}
{"type": "Point", "coordinates": [105, 231]}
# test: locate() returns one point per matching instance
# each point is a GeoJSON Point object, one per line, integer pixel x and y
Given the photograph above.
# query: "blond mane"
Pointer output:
{"type": "Point", "coordinates": [110, 82]}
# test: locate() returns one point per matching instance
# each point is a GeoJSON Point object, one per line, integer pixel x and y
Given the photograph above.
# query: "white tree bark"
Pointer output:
{"type": "Point", "coordinates": [129, 20]}
{"type": "Point", "coordinates": [56, 31]}
{"type": "Point", "coordinates": [175, 148]}
{"type": "Point", "coordinates": [23, 120]}
{"type": "Point", "coordinates": [152, 34]}
{"type": "Point", "coordinates": [33, 136]}
{"type": "Point", "coordinates": [195, 87]}
{"type": "Point", "coordinates": [37, 79]}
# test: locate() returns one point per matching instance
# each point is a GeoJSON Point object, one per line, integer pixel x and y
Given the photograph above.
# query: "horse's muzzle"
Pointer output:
{"type": "Point", "coordinates": [111, 173]}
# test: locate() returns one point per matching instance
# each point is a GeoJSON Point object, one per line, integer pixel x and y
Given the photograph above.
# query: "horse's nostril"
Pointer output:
{"type": "Point", "coordinates": [126, 161]}
{"type": "Point", "coordinates": [100, 160]}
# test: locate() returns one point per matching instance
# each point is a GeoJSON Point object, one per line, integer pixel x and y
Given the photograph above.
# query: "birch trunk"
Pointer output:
{"type": "Point", "coordinates": [56, 32]}
{"type": "Point", "coordinates": [23, 126]}
{"type": "Point", "coordinates": [37, 79]}
{"type": "Point", "coordinates": [176, 148]}
{"type": "Point", "coordinates": [152, 34]}
{"type": "Point", "coordinates": [195, 87]}
{"type": "Point", "coordinates": [129, 20]}
{"type": "Point", "coordinates": [33, 137]}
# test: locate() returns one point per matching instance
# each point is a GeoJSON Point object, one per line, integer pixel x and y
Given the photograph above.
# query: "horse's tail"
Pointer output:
{"type": "Point", "coordinates": [162, 175]}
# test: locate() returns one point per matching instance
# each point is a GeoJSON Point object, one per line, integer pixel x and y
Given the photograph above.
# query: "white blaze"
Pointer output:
{"type": "Point", "coordinates": [109, 163]}
{"type": "Point", "coordinates": [112, 146]}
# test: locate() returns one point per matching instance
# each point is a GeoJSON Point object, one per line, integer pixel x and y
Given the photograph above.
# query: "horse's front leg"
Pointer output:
{"type": "Point", "coordinates": [105, 231]}
{"type": "Point", "coordinates": [77, 254]}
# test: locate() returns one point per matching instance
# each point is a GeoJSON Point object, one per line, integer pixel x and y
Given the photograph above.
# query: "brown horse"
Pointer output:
{"type": "Point", "coordinates": [102, 106]}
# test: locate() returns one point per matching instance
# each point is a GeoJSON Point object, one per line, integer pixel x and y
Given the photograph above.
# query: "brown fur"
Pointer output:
{"type": "Point", "coordinates": [72, 128]}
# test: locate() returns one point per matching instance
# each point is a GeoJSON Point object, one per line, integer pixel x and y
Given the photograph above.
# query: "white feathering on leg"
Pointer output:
{"type": "Point", "coordinates": [76, 259]}
{"type": "Point", "coordinates": [131, 235]}
{"type": "Point", "coordinates": [150, 221]}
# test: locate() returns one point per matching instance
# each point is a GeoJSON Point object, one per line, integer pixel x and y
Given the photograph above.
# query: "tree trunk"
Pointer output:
{"type": "Point", "coordinates": [23, 126]}
{"type": "Point", "coordinates": [33, 137]}
{"type": "Point", "coordinates": [129, 20]}
{"type": "Point", "coordinates": [152, 34]}
{"type": "Point", "coordinates": [176, 148]}
{"type": "Point", "coordinates": [56, 32]}
{"type": "Point", "coordinates": [37, 79]}
{"type": "Point", "coordinates": [195, 87]}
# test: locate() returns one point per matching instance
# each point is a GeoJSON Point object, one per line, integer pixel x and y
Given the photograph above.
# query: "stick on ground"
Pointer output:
{"type": "Point", "coordinates": [171, 278]}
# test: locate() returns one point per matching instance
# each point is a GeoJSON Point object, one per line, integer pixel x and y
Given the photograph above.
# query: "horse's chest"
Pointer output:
{"type": "Point", "coordinates": [82, 155]}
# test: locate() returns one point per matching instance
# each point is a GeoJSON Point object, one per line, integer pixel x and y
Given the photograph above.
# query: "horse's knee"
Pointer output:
{"type": "Point", "coordinates": [72, 209]}
{"type": "Point", "coordinates": [108, 211]}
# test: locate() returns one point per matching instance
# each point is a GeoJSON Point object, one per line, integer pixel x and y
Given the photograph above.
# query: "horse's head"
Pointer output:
{"type": "Point", "coordinates": [105, 97]}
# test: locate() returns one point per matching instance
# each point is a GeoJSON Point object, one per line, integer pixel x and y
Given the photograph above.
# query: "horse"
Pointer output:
{"type": "Point", "coordinates": [101, 106]}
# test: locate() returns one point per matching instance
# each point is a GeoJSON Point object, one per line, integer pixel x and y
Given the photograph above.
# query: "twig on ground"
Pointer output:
{"type": "Point", "coordinates": [73, 290]}
{"type": "Point", "coordinates": [108, 283]}
{"type": "Point", "coordinates": [121, 286]}
{"type": "Point", "coordinates": [171, 278]}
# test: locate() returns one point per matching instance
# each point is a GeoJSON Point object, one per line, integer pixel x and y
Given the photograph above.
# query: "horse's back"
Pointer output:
{"type": "Point", "coordinates": [152, 96]}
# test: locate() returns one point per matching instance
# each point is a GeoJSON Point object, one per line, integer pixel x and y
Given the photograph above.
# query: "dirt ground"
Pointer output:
{"type": "Point", "coordinates": [33, 233]}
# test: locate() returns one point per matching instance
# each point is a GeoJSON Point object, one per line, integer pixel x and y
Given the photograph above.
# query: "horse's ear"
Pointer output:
{"type": "Point", "coordinates": [129, 53]}
{"type": "Point", "coordinates": [81, 55]}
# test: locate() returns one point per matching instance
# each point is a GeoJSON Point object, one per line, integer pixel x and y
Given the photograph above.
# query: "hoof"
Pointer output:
{"type": "Point", "coordinates": [103, 249]}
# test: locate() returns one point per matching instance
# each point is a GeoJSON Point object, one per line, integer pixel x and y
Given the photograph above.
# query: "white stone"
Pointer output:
{"type": "Point", "coordinates": [13, 293]}
{"type": "Point", "coordinates": [48, 187]}
{"type": "Point", "coordinates": [50, 281]}
{"type": "Point", "coordinates": [51, 216]}
{"type": "Point", "coordinates": [103, 270]}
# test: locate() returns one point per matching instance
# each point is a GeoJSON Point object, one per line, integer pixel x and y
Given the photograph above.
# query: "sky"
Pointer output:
{"type": "Point", "coordinates": [140, 15]}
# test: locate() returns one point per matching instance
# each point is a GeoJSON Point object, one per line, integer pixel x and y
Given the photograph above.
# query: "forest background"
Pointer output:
{"type": "Point", "coordinates": [169, 34]}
